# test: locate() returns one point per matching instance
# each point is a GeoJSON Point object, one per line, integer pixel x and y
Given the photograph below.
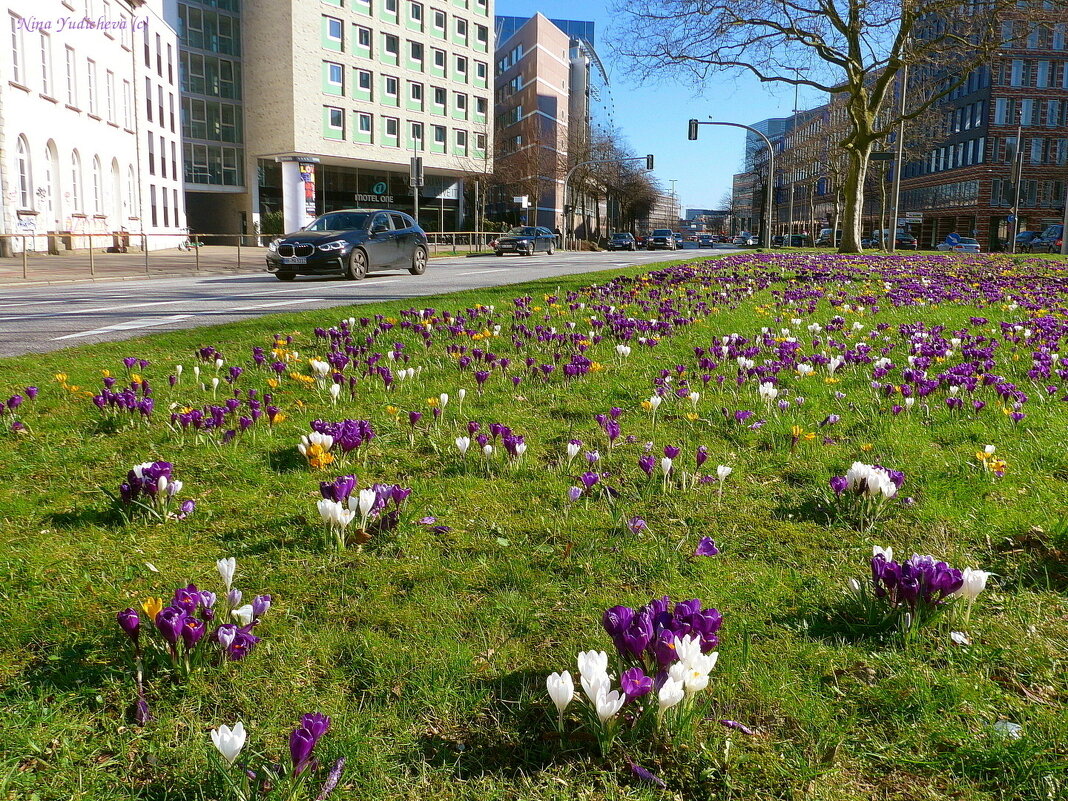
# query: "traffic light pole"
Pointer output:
{"type": "Point", "coordinates": [692, 135]}
{"type": "Point", "coordinates": [567, 181]}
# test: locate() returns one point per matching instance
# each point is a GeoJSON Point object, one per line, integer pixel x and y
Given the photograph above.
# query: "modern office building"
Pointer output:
{"type": "Point", "coordinates": [89, 126]}
{"type": "Point", "coordinates": [348, 92]}
{"type": "Point", "coordinates": [550, 89]}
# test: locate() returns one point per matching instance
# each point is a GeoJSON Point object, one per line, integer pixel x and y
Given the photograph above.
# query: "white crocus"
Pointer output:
{"type": "Point", "coordinates": [561, 690]}
{"type": "Point", "coordinates": [834, 364]}
{"type": "Point", "coordinates": [243, 614]}
{"type": "Point", "coordinates": [487, 450]}
{"type": "Point", "coordinates": [443, 399]}
{"type": "Point", "coordinates": [229, 742]}
{"type": "Point", "coordinates": [655, 401]}
{"type": "Point", "coordinates": [573, 449]}
{"type": "Point", "coordinates": [687, 648]}
{"type": "Point", "coordinates": [226, 568]}
{"type": "Point", "coordinates": [768, 392]}
{"type": "Point", "coordinates": [335, 391]}
{"type": "Point", "coordinates": [989, 450]}
{"type": "Point", "coordinates": [461, 394]}
{"type": "Point", "coordinates": [608, 704]}
{"type": "Point", "coordinates": [366, 502]}
{"type": "Point", "coordinates": [804, 369]}
{"type": "Point", "coordinates": [974, 583]}
{"type": "Point", "coordinates": [887, 553]}
{"type": "Point", "coordinates": [670, 694]}
{"type": "Point", "coordinates": [665, 465]}
{"type": "Point", "coordinates": [463, 443]}
{"type": "Point", "coordinates": [723, 471]}
{"type": "Point", "coordinates": [694, 397]}
{"type": "Point", "coordinates": [591, 663]}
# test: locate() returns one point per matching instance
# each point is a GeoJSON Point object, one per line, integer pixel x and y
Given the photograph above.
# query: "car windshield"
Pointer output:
{"type": "Point", "coordinates": [662, 232]}
{"type": "Point", "coordinates": [338, 221]}
{"type": "Point", "coordinates": [967, 241]}
{"type": "Point", "coordinates": [520, 230]}
{"type": "Point", "coordinates": [621, 236]}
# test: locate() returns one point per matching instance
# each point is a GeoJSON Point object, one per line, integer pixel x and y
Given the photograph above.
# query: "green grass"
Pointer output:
{"type": "Point", "coordinates": [429, 651]}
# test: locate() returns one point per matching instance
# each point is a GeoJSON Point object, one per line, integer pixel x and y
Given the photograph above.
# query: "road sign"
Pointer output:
{"type": "Point", "coordinates": [1012, 218]}
{"type": "Point", "coordinates": [415, 177]}
{"type": "Point", "coordinates": [523, 201]}
{"type": "Point", "coordinates": [914, 216]}
{"type": "Point", "coordinates": [881, 155]}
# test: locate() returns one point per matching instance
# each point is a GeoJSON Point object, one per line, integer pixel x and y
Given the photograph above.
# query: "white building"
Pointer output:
{"type": "Point", "coordinates": [88, 105]}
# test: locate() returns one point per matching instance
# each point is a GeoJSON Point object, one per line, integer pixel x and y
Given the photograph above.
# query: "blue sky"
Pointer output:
{"type": "Point", "coordinates": [653, 118]}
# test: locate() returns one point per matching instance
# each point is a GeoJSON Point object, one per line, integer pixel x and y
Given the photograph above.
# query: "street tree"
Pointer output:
{"type": "Point", "coordinates": [855, 50]}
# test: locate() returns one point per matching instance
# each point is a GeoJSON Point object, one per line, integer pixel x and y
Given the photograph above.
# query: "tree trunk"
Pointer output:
{"type": "Point", "coordinates": [856, 172]}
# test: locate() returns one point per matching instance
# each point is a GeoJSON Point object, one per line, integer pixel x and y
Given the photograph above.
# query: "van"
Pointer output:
{"type": "Point", "coordinates": [824, 239]}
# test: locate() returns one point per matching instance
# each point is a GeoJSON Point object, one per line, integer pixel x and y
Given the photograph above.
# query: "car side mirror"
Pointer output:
{"type": "Point", "coordinates": [377, 229]}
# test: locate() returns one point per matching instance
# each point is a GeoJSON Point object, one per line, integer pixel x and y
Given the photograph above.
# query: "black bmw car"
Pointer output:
{"type": "Point", "coordinates": [351, 243]}
{"type": "Point", "coordinates": [526, 240]}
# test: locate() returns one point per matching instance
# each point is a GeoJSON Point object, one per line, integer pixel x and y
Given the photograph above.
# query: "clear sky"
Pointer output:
{"type": "Point", "coordinates": [653, 118]}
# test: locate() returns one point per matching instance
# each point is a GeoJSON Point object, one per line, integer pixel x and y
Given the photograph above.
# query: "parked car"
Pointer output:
{"type": "Point", "coordinates": [869, 242]}
{"type": "Point", "coordinates": [526, 240]}
{"type": "Point", "coordinates": [679, 241]}
{"type": "Point", "coordinates": [641, 241]}
{"type": "Point", "coordinates": [1025, 240]}
{"type": "Point", "coordinates": [904, 241]}
{"type": "Point", "coordinates": [706, 241]}
{"type": "Point", "coordinates": [1050, 241]}
{"type": "Point", "coordinates": [960, 244]}
{"type": "Point", "coordinates": [746, 240]}
{"type": "Point", "coordinates": [351, 243]}
{"type": "Point", "coordinates": [622, 241]}
{"type": "Point", "coordinates": [824, 238]}
{"type": "Point", "coordinates": [662, 239]}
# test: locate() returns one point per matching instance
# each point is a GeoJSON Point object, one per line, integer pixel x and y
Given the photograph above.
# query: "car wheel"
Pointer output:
{"type": "Point", "coordinates": [285, 276]}
{"type": "Point", "coordinates": [549, 250]}
{"type": "Point", "coordinates": [357, 268]}
{"type": "Point", "coordinates": [418, 262]}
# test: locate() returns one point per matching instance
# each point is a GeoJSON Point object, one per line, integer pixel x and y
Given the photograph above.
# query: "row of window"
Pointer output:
{"type": "Point", "coordinates": [389, 132]}
{"type": "Point", "coordinates": [1033, 194]}
{"type": "Point", "coordinates": [416, 10]}
{"type": "Point", "coordinates": [211, 120]}
{"type": "Point", "coordinates": [209, 75]}
{"type": "Point", "coordinates": [961, 193]}
{"type": "Point", "coordinates": [209, 30]}
{"type": "Point", "coordinates": [1034, 36]}
{"type": "Point", "coordinates": [417, 97]}
{"type": "Point", "coordinates": [1029, 111]}
{"type": "Point", "coordinates": [1027, 73]}
{"type": "Point", "coordinates": [510, 60]}
{"type": "Point", "coordinates": [213, 165]}
{"type": "Point", "coordinates": [60, 190]}
{"type": "Point", "coordinates": [439, 26]}
{"type": "Point", "coordinates": [1037, 150]}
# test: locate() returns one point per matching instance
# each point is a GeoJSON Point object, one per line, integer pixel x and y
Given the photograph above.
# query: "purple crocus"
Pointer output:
{"type": "Point", "coordinates": [260, 604]}
{"type": "Point", "coordinates": [839, 484]}
{"type": "Point", "coordinates": [170, 621]}
{"type": "Point", "coordinates": [574, 493]}
{"type": "Point", "coordinates": [702, 455]}
{"type": "Point", "coordinates": [130, 622]}
{"type": "Point", "coordinates": [192, 630]}
{"type": "Point", "coordinates": [636, 525]}
{"type": "Point", "coordinates": [589, 479]}
{"type": "Point", "coordinates": [301, 744]}
{"type": "Point", "coordinates": [635, 683]}
{"type": "Point", "coordinates": [706, 547]}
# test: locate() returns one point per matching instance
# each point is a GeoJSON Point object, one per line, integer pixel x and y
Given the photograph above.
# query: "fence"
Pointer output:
{"type": "Point", "coordinates": [126, 255]}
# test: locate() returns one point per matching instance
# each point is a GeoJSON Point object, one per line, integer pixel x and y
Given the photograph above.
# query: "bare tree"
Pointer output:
{"type": "Point", "coordinates": [851, 49]}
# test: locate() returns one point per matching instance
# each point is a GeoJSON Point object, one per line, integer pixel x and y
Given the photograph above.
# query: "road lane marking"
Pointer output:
{"type": "Point", "coordinates": [486, 272]}
{"type": "Point", "coordinates": [145, 322]}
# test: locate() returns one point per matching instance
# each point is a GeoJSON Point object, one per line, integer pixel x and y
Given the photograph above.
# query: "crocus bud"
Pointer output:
{"type": "Point", "coordinates": [233, 598]}
{"type": "Point", "coordinates": [260, 604]}
{"type": "Point", "coordinates": [130, 622]}
{"type": "Point", "coordinates": [225, 634]}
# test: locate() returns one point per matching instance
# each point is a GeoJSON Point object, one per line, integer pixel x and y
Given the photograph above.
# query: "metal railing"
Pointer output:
{"type": "Point", "coordinates": [80, 256]}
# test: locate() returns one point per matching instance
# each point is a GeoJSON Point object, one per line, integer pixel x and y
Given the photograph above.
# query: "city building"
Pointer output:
{"type": "Point", "coordinates": [550, 90]}
{"type": "Point", "coordinates": [347, 93]}
{"type": "Point", "coordinates": [89, 127]}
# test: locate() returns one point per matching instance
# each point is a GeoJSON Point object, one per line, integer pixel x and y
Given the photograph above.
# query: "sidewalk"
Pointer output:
{"type": "Point", "coordinates": [206, 260]}
{"type": "Point", "coordinates": [76, 267]}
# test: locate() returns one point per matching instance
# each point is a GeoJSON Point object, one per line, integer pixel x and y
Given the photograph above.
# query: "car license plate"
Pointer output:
{"type": "Point", "coordinates": [294, 260]}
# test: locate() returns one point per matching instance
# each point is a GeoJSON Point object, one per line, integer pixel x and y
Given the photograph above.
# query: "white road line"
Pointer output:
{"type": "Point", "coordinates": [152, 322]}
{"type": "Point", "coordinates": [485, 272]}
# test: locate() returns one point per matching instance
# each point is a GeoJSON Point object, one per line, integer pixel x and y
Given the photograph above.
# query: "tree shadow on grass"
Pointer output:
{"type": "Point", "coordinates": [286, 460]}
{"type": "Point", "coordinates": [61, 669]}
{"type": "Point", "coordinates": [843, 622]}
{"type": "Point", "coordinates": [510, 738]}
{"type": "Point", "coordinates": [85, 516]}
{"type": "Point", "coordinates": [1033, 560]}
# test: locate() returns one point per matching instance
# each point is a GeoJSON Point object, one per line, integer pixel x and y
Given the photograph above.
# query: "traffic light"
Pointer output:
{"type": "Point", "coordinates": [692, 133]}
{"type": "Point", "coordinates": [649, 162]}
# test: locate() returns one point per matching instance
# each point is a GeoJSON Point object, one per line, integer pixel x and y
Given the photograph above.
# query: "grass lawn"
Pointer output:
{"type": "Point", "coordinates": [429, 645]}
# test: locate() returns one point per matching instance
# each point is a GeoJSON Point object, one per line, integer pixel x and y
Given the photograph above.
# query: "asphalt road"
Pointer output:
{"type": "Point", "coordinates": [47, 318]}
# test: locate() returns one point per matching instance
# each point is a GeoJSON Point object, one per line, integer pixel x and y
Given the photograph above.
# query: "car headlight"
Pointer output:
{"type": "Point", "coordinates": [336, 245]}
{"type": "Point", "coordinates": [273, 247]}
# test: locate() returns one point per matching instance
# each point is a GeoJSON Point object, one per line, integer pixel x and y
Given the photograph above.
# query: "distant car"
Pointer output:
{"type": "Point", "coordinates": [662, 239]}
{"type": "Point", "coordinates": [1025, 240]}
{"type": "Point", "coordinates": [869, 242]}
{"type": "Point", "coordinates": [641, 241]}
{"type": "Point", "coordinates": [352, 243]}
{"type": "Point", "coordinates": [1050, 241]}
{"type": "Point", "coordinates": [679, 241]}
{"type": "Point", "coordinates": [526, 240]}
{"type": "Point", "coordinates": [622, 241]}
{"type": "Point", "coordinates": [706, 241]}
{"type": "Point", "coordinates": [746, 240]}
{"type": "Point", "coordinates": [824, 238]}
{"type": "Point", "coordinates": [903, 241]}
{"type": "Point", "coordinates": [962, 244]}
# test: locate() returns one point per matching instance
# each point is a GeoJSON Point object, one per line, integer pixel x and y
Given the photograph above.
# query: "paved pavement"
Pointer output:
{"type": "Point", "coordinates": [60, 311]}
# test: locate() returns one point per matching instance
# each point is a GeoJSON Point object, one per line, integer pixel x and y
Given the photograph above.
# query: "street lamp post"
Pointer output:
{"type": "Point", "coordinates": [898, 163]}
{"type": "Point", "coordinates": [692, 135]}
{"type": "Point", "coordinates": [1016, 192]}
{"type": "Point", "coordinates": [567, 180]}
{"type": "Point", "coordinates": [790, 175]}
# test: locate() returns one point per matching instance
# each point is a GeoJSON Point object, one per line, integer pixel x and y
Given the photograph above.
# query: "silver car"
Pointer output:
{"type": "Point", "coordinates": [963, 244]}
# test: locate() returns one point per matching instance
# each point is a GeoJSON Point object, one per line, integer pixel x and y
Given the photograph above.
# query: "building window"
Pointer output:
{"type": "Point", "coordinates": [480, 142]}
{"type": "Point", "coordinates": [166, 214]}
{"type": "Point", "coordinates": [336, 120]}
{"type": "Point", "coordinates": [461, 141]}
{"type": "Point", "coordinates": [174, 164]}
{"type": "Point", "coordinates": [461, 29]}
{"type": "Point", "coordinates": [336, 76]}
{"type": "Point", "coordinates": [392, 127]}
{"type": "Point", "coordinates": [46, 64]}
{"type": "Point", "coordinates": [75, 181]}
{"type": "Point", "coordinates": [18, 60]}
{"type": "Point", "coordinates": [148, 98]}
{"type": "Point", "coordinates": [415, 11]}
{"type": "Point", "coordinates": [391, 44]}
{"type": "Point", "coordinates": [151, 154]}
{"type": "Point", "coordinates": [461, 103]}
{"type": "Point", "coordinates": [25, 175]}
{"type": "Point", "coordinates": [72, 78]}
{"type": "Point", "coordinates": [364, 123]}
{"type": "Point", "coordinates": [127, 105]}
{"type": "Point", "coordinates": [109, 82]}
{"type": "Point", "coordinates": [417, 133]}
{"type": "Point", "coordinates": [439, 96]}
{"type": "Point", "coordinates": [480, 106]}
{"type": "Point", "coordinates": [461, 66]}
{"type": "Point", "coordinates": [98, 186]}
{"type": "Point", "coordinates": [390, 6]}
{"type": "Point", "coordinates": [415, 51]}
{"type": "Point", "coordinates": [416, 93]}
{"type": "Point", "coordinates": [481, 70]}
{"type": "Point", "coordinates": [482, 35]}
{"type": "Point", "coordinates": [131, 193]}
{"type": "Point", "coordinates": [152, 198]}
{"type": "Point", "coordinates": [439, 59]}
{"type": "Point", "coordinates": [439, 134]}
{"type": "Point", "coordinates": [162, 156]}
{"type": "Point", "coordinates": [363, 37]}
{"type": "Point", "coordinates": [391, 87]}
{"type": "Point", "coordinates": [439, 21]}
{"type": "Point", "coordinates": [91, 77]}
{"type": "Point", "coordinates": [363, 80]}
{"type": "Point", "coordinates": [335, 31]}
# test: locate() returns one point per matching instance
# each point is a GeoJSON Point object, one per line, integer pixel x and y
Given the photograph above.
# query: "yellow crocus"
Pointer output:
{"type": "Point", "coordinates": [152, 606]}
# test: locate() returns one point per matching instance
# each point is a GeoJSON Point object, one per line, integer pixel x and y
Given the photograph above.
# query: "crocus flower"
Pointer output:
{"type": "Point", "coordinates": [226, 568]}
{"type": "Point", "coordinates": [192, 630]}
{"type": "Point", "coordinates": [243, 614]}
{"type": "Point", "coordinates": [561, 690]}
{"type": "Point", "coordinates": [636, 525]}
{"type": "Point", "coordinates": [723, 471]}
{"type": "Point", "coordinates": [463, 443]}
{"type": "Point", "coordinates": [229, 741]}
{"type": "Point", "coordinates": [608, 704]}
{"type": "Point", "coordinates": [130, 622]}
{"type": "Point", "coordinates": [574, 493]}
{"type": "Point", "coordinates": [169, 622]}
{"type": "Point", "coordinates": [260, 604]}
{"type": "Point", "coordinates": [635, 683]}
{"type": "Point", "coordinates": [974, 583]}
{"type": "Point", "coordinates": [646, 776]}
{"type": "Point", "coordinates": [670, 693]}
{"type": "Point", "coordinates": [706, 547]}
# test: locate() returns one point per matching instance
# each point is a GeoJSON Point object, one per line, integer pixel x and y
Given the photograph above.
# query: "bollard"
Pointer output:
{"type": "Point", "coordinates": [144, 248]}
{"type": "Point", "coordinates": [196, 247]}
{"type": "Point", "coordinates": [24, 257]}
{"type": "Point", "coordinates": [92, 261]}
{"type": "Point", "coordinates": [239, 253]}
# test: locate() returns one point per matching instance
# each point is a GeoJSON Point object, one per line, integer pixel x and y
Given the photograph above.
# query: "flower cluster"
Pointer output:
{"type": "Point", "coordinates": [234, 416]}
{"type": "Point", "coordinates": [281, 780]}
{"type": "Point", "coordinates": [348, 435]}
{"type": "Point", "coordinates": [667, 653]}
{"type": "Point", "coordinates": [996, 467]}
{"type": "Point", "coordinates": [863, 492]}
{"type": "Point", "coordinates": [11, 405]}
{"type": "Point", "coordinates": [150, 488]}
{"type": "Point", "coordinates": [181, 633]}
{"type": "Point", "coordinates": [378, 507]}
{"type": "Point", "coordinates": [134, 401]}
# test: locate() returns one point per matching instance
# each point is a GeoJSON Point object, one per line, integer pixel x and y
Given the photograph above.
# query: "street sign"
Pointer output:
{"type": "Point", "coordinates": [523, 201]}
{"type": "Point", "coordinates": [914, 216]}
{"type": "Point", "coordinates": [1012, 218]}
{"type": "Point", "coordinates": [881, 155]}
{"type": "Point", "coordinates": [415, 178]}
